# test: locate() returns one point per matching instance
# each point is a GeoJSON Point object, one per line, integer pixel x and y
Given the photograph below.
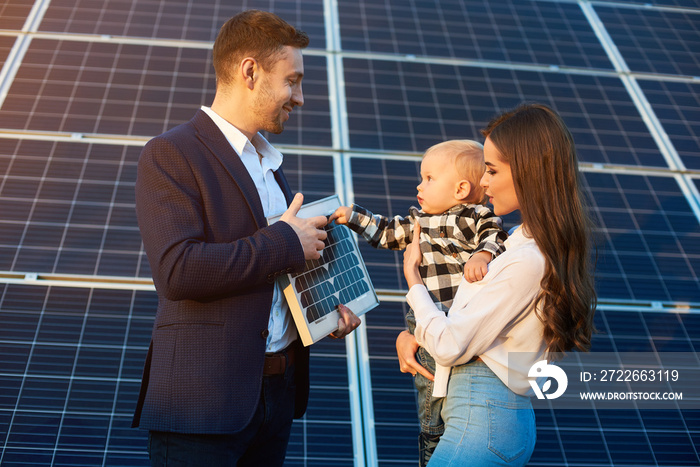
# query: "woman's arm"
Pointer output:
{"type": "Point", "coordinates": [480, 312]}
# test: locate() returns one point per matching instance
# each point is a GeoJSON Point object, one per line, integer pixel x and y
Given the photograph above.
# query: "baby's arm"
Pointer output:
{"type": "Point", "coordinates": [489, 238]}
{"type": "Point", "coordinates": [379, 231]}
{"type": "Point", "coordinates": [476, 267]}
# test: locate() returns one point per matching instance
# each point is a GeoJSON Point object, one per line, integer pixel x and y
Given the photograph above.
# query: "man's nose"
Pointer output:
{"type": "Point", "coordinates": [298, 97]}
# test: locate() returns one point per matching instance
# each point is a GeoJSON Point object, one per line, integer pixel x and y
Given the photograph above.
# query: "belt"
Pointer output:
{"type": "Point", "coordinates": [277, 363]}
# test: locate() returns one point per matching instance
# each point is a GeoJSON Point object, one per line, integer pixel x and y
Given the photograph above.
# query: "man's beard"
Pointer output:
{"type": "Point", "coordinates": [271, 125]}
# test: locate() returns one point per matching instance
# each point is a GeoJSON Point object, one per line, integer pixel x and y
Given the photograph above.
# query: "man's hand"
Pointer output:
{"type": "Point", "coordinates": [406, 348]}
{"type": "Point", "coordinates": [476, 267]}
{"type": "Point", "coordinates": [347, 323]}
{"type": "Point", "coordinates": [341, 215]}
{"type": "Point", "coordinates": [309, 231]}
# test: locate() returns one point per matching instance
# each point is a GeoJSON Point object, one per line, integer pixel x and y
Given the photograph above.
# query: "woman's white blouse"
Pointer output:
{"type": "Point", "coordinates": [493, 319]}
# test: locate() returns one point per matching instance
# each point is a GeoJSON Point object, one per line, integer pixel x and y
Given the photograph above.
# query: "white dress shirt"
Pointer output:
{"type": "Point", "coordinates": [262, 159]}
{"type": "Point", "coordinates": [493, 319]}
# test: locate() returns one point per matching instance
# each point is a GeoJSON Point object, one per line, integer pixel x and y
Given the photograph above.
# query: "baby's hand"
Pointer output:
{"type": "Point", "coordinates": [476, 267]}
{"type": "Point", "coordinates": [341, 215]}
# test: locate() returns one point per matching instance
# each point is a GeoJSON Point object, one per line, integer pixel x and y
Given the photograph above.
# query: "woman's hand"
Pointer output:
{"type": "Point", "coordinates": [412, 258]}
{"type": "Point", "coordinates": [406, 348]}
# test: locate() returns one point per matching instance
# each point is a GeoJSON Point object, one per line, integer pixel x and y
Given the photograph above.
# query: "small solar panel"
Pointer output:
{"type": "Point", "coordinates": [339, 276]}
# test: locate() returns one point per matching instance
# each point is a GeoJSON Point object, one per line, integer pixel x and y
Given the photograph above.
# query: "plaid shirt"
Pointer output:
{"type": "Point", "coordinates": [447, 241]}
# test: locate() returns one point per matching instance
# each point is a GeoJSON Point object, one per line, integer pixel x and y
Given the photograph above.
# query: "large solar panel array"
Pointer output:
{"type": "Point", "coordinates": [84, 84]}
{"type": "Point", "coordinates": [655, 41]}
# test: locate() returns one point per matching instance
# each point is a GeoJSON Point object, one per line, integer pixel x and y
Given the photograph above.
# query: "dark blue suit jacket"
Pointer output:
{"type": "Point", "coordinates": [214, 260]}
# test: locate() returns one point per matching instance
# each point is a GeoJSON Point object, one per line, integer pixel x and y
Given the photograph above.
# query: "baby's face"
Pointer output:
{"type": "Point", "coordinates": [439, 181]}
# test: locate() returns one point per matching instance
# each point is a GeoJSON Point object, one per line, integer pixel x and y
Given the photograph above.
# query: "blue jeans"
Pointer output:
{"type": "Point", "coordinates": [485, 422]}
{"type": "Point", "coordinates": [262, 443]}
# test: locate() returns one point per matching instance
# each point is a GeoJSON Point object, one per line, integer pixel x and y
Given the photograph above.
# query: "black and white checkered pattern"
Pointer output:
{"type": "Point", "coordinates": [447, 241]}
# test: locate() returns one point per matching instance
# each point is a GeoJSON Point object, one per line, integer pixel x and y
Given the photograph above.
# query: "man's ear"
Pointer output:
{"type": "Point", "coordinates": [248, 71]}
{"type": "Point", "coordinates": [462, 190]}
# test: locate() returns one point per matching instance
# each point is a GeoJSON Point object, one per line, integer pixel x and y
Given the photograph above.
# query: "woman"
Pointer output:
{"type": "Point", "coordinates": [537, 298]}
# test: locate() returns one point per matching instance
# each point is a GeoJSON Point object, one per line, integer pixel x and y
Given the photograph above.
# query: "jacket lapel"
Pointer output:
{"type": "Point", "coordinates": [210, 135]}
{"type": "Point", "coordinates": [282, 182]}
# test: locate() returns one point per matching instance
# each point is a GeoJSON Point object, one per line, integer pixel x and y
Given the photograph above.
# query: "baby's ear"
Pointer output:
{"type": "Point", "coordinates": [463, 189]}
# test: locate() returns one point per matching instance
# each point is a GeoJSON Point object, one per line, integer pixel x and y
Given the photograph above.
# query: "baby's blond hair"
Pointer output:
{"type": "Point", "coordinates": [468, 158]}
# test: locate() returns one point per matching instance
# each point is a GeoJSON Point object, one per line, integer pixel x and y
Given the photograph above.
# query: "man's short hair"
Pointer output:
{"type": "Point", "coordinates": [253, 33]}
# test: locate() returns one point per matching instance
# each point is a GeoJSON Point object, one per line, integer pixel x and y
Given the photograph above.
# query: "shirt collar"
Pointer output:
{"type": "Point", "coordinates": [272, 158]}
{"type": "Point", "coordinates": [517, 238]}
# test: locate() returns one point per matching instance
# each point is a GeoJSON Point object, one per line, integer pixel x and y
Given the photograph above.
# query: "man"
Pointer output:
{"type": "Point", "coordinates": [225, 373]}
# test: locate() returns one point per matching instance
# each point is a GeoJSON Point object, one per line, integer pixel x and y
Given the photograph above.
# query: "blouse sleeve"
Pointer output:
{"type": "Point", "coordinates": [480, 311]}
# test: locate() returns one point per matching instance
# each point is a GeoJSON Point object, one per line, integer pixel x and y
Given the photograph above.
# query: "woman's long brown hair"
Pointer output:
{"type": "Point", "coordinates": [539, 148]}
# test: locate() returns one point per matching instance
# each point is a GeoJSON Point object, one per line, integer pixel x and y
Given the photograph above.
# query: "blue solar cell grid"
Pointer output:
{"type": "Point", "coordinates": [135, 90]}
{"type": "Point", "coordinates": [438, 102]}
{"type": "Point", "coordinates": [677, 106]}
{"type": "Point", "coordinates": [175, 19]}
{"type": "Point", "coordinates": [544, 33]}
{"type": "Point", "coordinates": [317, 294]}
{"type": "Point", "coordinates": [69, 208]}
{"type": "Point", "coordinates": [101, 77]}
{"type": "Point", "coordinates": [655, 41]}
{"type": "Point", "coordinates": [72, 362]}
{"type": "Point", "coordinates": [648, 238]}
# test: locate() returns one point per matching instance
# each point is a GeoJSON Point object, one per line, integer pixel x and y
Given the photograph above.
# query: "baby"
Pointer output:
{"type": "Point", "coordinates": [459, 237]}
